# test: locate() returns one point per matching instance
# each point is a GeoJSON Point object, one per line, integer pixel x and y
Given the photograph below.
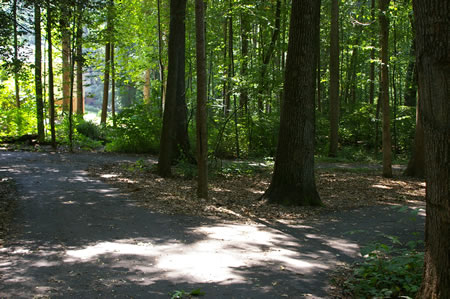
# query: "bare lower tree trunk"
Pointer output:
{"type": "Point", "coordinates": [293, 181]}
{"type": "Point", "coordinates": [168, 134]}
{"type": "Point", "coordinates": [202, 137]}
{"type": "Point", "coordinates": [433, 61]}
{"type": "Point", "coordinates": [416, 165]}
{"type": "Point", "coordinates": [384, 96]}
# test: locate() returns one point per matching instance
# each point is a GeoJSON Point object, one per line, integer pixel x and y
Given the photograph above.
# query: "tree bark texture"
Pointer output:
{"type": "Point", "coordinates": [106, 83]}
{"type": "Point", "coordinates": [334, 78]}
{"type": "Point", "coordinates": [65, 44]}
{"type": "Point", "coordinates": [268, 56]}
{"type": "Point", "coordinates": [293, 181]}
{"type": "Point", "coordinates": [168, 134]}
{"type": "Point", "coordinates": [51, 96]}
{"type": "Point", "coordinates": [416, 165]}
{"type": "Point", "coordinates": [38, 74]}
{"type": "Point", "coordinates": [16, 57]}
{"type": "Point", "coordinates": [202, 140]}
{"type": "Point", "coordinates": [147, 87]}
{"type": "Point", "coordinates": [433, 69]}
{"type": "Point", "coordinates": [79, 45]}
{"type": "Point", "coordinates": [182, 147]}
{"type": "Point", "coordinates": [372, 59]}
{"type": "Point", "coordinates": [113, 86]}
{"type": "Point", "coordinates": [384, 95]}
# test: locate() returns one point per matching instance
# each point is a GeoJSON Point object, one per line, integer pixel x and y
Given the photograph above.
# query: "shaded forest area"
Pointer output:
{"type": "Point", "coordinates": [201, 82]}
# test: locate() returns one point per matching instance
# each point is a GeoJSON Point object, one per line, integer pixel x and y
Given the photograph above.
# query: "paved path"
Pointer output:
{"type": "Point", "coordinates": [78, 237]}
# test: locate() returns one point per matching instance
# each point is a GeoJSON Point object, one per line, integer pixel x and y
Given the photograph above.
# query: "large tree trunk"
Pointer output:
{"type": "Point", "coordinates": [168, 134]}
{"type": "Point", "coordinates": [384, 96]}
{"type": "Point", "coordinates": [38, 73]}
{"type": "Point", "coordinates": [334, 78]}
{"type": "Point", "coordinates": [433, 68]}
{"type": "Point", "coordinates": [293, 181]}
{"type": "Point", "coordinates": [202, 137]}
{"type": "Point", "coordinates": [51, 96]}
{"type": "Point", "coordinates": [182, 146]}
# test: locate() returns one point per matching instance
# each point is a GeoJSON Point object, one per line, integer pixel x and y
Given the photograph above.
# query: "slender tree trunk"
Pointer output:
{"type": "Point", "coordinates": [202, 137]}
{"type": "Point", "coordinates": [245, 29]}
{"type": "Point", "coordinates": [334, 79]}
{"type": "Point", "coordinates": [113, 86]}
{"type": "Point", "coordinates": [38, 74]}
{"type": "Point", "coordinates": [147, 87]}
{"type": "Point", "coordinates": [433, 61]}
{"type": "Point", "coordinates": [372, 58]}
{"type": "Point", "coordinates": [16, 57]}
{"type": "Point", "coordinates": [384, 96]}
{"type": "Point", "coordinates": [168, 134]}
{"type": "Point", "coordinates": [51, 96]}
{"type": "Point", "coordinates": [293, 181]}
{"type": "Point", "coordinates": [106, 83]}
{"type": "Point", "coordinates": [160, 61]}
{"type": "Point", "coordinates": [65, 44]}
{"type": "Point", "coordinates": [79, 60]}
{"type": "Point", "coordinates": [268, 55]}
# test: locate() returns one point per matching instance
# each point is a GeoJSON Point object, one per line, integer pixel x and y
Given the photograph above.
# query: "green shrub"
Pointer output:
{"type": "Point", "coordinates": [387, 271]}
{"type": "Point", "coordinates": [89, 129]}
{"type": "Point", "coordinates": [136, 131]}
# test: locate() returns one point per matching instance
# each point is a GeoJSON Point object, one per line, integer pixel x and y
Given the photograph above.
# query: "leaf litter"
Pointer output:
{"type": "Point", "coordinates": [237, 196]}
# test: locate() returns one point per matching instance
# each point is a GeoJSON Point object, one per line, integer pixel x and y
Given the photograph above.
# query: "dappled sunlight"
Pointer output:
{"type": "Point", "coordinates": [222, 255]}
{"type": "Point", "coordinates": [381, 187]}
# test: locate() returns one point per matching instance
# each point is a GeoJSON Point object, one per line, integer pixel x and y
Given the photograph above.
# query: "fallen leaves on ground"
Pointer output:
{"type": "Point", "coordinates": [236, 197]}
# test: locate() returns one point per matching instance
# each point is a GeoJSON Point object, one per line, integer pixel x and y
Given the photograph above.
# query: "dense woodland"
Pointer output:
{"type": "Point", "coordinates": [195, 81]}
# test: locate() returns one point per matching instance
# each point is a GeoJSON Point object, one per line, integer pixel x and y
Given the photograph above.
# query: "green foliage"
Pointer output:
{"type": "Point", "coordinates": [14, 121]}
{"type": "Point", "coordinates": [89, 129]}
{"type": "Point", "coordinates": [387, 272]}
{"type": "Point", "coordinates": [136, 131]}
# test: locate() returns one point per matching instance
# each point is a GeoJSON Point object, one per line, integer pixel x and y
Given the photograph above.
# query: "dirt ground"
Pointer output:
{"type": "Point", "coordinates": [96, 225]}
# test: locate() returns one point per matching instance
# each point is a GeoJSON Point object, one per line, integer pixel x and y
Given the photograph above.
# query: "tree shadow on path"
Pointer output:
{"type": "Point", "coordinates": [79, 237]}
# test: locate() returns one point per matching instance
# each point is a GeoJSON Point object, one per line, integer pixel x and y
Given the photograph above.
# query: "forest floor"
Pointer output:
{"type": "Point", "coordinates": [102, 225]}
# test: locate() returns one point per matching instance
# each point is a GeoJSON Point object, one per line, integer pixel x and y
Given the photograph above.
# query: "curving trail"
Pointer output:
{"type": "Point", "coordinates": [78, 237]}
